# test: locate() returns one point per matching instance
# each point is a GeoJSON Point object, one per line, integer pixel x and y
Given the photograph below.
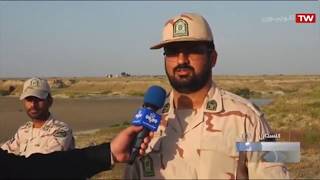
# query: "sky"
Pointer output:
{"type": "Point", "coordinates": [94, 38]}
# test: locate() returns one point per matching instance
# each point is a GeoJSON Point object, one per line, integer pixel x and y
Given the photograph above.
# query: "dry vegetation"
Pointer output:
{"type": "Point", "coordinates": [294, 111]}
{"type": "Point", "coordinates": [83, 87]}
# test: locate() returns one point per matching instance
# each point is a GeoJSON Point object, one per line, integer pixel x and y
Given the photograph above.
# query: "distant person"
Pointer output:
{"type": "Point", "coordinates": [201, 122]}
{"type": "Point", "coordinates": [44, 133]}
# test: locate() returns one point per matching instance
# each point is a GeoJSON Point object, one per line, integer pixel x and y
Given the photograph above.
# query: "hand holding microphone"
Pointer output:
{"type": "Point", "coordinates": [121, 144]}
{"type": "Point", "coordinates": [147, 117]}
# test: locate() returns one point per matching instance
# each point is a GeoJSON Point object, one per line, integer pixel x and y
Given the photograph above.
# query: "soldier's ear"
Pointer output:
{"type": "Point", "coordinates": [213, 58]}
{"type": "Point", "coordinates": [50, 100]}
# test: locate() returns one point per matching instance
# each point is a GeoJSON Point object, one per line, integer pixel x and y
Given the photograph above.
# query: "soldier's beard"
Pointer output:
{"type": "Point", "coordinates": [39, 115]}
{"type": "Point", "coordinates": [191, 83]}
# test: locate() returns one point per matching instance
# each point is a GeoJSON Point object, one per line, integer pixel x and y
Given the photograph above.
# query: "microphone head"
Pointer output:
{"type": "Point", "coordinates": [155, 96]}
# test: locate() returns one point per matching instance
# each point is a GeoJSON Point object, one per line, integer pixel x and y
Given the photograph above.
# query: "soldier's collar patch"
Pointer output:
{"type": "Point", "coordinates": [46, 128]}
{"type": "Point", "coordinates": [147, 166]}
{"type": "Point", "coordinates": [212, 105]}
{"type": "Point", "coordinates": [166, 108]}
{"type": "Point", "coordinates": [180, 28]}
{"type": "Point", "coordinates": [29, 124]}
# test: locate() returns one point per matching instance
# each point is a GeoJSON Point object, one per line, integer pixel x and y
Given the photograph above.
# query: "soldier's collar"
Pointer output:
{"type": "Point", "coordinates": [48, 121]}
{"type": "Point", "coordinates": [213, 102]}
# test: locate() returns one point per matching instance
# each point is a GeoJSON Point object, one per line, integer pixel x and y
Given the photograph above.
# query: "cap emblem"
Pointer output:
{"type": "Point", "coordinates": [180, 28]}
{"type": "Point", "coordinates": [35, 83]}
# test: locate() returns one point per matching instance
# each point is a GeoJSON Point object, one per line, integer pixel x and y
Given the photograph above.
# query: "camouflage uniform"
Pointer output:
{"type": "Point", "coordinates": [200, 144]}
{"type": "Point", "coordinates": [53, 136]}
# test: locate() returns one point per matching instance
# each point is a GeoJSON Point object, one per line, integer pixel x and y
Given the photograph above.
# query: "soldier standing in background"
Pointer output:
{"type": "Point", "coordinates": [44, 134]}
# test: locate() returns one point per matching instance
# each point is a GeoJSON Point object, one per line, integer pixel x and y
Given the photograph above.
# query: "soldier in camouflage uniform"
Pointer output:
{"type": "Point", "coordinates": [44, 134]}
{"type": "Point", "coordinates": [201, 123]}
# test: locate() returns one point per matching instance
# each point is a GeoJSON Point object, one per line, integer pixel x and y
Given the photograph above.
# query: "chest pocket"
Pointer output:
{"type": "Point", "coordinates": [23, 141]}
{"type": "Point", "coordinates": [218, 141]}
{"type": "Point", "coordinates": [218, 155]}
{"type": "Point", "coordinates": [220, 134]}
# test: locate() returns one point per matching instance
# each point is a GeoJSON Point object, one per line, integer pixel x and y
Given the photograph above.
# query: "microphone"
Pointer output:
{"type": "Point", "coordinates": [147, 117]}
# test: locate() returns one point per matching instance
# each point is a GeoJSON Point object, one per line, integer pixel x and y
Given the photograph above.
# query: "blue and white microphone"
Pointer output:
{"type": "Point", "coordinates": [147, 116]}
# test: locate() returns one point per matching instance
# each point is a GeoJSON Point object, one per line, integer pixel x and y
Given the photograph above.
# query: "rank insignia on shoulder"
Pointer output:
{"type": "Point", "coordinates": [60, 134]}
{"type": "Point", "coordinates": [166, 108]}
{"type": "Point", "coordinates": [211, 105]}
{"type": "Point", "coordinates": [147, 165]}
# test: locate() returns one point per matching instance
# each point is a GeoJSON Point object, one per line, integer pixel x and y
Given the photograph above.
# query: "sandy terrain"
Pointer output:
{"type": "Point", "coordinates": [91, 103]}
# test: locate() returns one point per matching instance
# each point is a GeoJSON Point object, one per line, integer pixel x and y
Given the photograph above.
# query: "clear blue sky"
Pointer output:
{"type": "Point", "coordinates": [83, 38]}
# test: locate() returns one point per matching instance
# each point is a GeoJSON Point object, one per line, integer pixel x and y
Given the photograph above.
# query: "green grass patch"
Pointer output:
{"type": "Point", "coordinates": [311, 136]}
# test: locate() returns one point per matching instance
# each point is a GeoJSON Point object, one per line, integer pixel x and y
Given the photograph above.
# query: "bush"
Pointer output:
{"type": "Point", "coordinates": [243, 92]}
{"type": "Point", "coordinates": [246, 93]}
{"type": "Point", "coordinates": [106, 92]}
{"type": "Point", "coordinates": [4, 92]}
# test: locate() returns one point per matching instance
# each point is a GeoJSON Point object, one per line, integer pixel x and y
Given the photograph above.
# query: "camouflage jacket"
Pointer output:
{"type": "Point", "coordinates": [201, 143]}
{"type": "Point", "coordinates": [53, 136]}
